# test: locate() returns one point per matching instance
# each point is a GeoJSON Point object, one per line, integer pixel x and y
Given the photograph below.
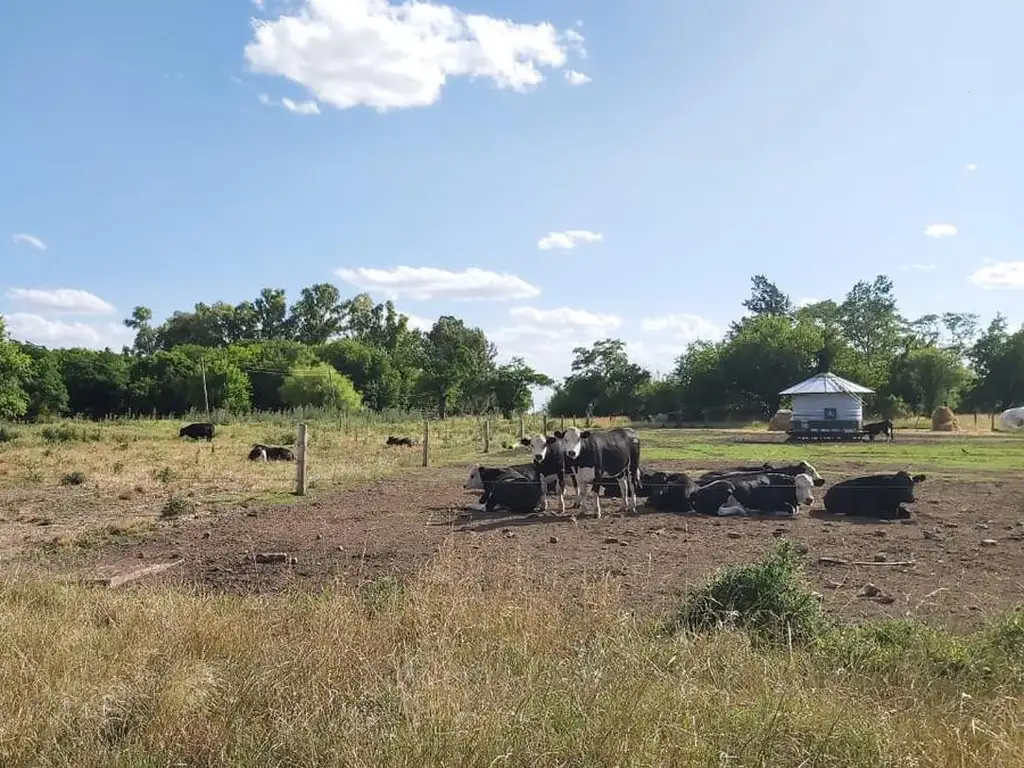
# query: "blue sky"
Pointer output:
{"type": "Point", "coordinates": [149, 157]}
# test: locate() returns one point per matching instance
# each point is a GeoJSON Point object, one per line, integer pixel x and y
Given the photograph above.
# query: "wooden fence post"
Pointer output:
{"type": "Point", "coordinates": [301, 450]}
{"type": "Point", "coordinates": [992, 422]}
{"type": "Point", "coordinates": [545, 417]}
{"type": "Point", "coordinates": [522, 426]}
{"type": "Point", "coordinates": [487, 435]}
{"type": "Point", "coordinates": [574, 421]}
{"type": "Point", "coordinates": [426, 443]}
{"type": "Point", "coordinates": [561, 423]}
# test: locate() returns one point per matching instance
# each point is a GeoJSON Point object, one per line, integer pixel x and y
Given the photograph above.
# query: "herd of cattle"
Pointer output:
{"type": "Point", "coordinates": [609, 460]}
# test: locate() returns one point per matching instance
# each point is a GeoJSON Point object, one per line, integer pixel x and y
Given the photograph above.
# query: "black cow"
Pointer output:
{"type": "Point", "coordinates": [670, 491]}
{"type": "Point", "coordinates": [550, 461]}
{"type": "Point", "coordinates": [615, 453]}
{"type": "Point", "coordinates": [482, 478]}
{"type": "Point", "coordinates": [506, 487]}
{"type": "Point", "coordinates": [202, 429]}
{"type": "Point", "coordinates": [803, 468]}
{"type": "Point", "coordinates": [262, 452]}
{"type": "Point", "coordinates": [715, 498]}
{"type": "Point", "coordinates": [649, 482]}
{"type": "Point", "coordinates": [876, 428]}
{"type": "Point", "coordinates": [406, 441]}
{"type": "Point", "coordinates": [879, 497]}
{"type": "Point", "coordinates": [718, 474]}
{"type": "Point", "coordinates": [772, 493]}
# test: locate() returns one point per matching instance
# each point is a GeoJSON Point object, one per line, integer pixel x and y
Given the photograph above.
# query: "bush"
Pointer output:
{"type": "Point", "coordinates": [69, 433]}
{"type": "Point", "coordinates": [176, 506]}
{"type": "Point", "coordinates": [765, 598]}
{"type": "Point", "coordinates": [73, 478]}
{"type": "Point", "coordinates": [8, 434]}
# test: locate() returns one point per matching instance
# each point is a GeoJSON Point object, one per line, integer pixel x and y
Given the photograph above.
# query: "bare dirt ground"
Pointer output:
{"type": "Point", "coordinates": [965, 542]}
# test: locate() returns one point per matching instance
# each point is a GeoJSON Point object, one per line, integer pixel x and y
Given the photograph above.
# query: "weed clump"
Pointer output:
{"type": "Point", "coordinates": [69, 433]}
{"type": "Point", "coordinates": [8, 434]}
{"type": "Point", "coordinates": [176, 506]}
{"type": "Point", "coordinates": [73, 478]}
{"type": "Point", "coordinates": [766, 598]}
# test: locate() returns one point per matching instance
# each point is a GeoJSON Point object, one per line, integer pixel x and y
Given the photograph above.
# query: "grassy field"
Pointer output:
{"type": "Point", "coordinates": [467, 663]}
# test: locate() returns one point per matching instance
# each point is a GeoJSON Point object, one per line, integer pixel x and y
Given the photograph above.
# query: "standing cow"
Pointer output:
{"type": "Point", "coordinates": [596, 454]}
{"type": "Point", "coordinates": [550, 461]}
{"type": "Point", "coordinates": [197, 431]}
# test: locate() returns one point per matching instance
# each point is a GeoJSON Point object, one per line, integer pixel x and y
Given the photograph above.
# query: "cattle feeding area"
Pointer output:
{"type": "Point", "coordinates": [383, 619]}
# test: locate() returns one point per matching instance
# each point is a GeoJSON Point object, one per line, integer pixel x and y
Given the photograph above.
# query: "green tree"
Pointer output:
{"type": "Point", "coordinates": [928, 377]}
{"type": "Point", "coordinates": [512, 384]}
{"type": "Point", "coordinates": [15, 368]}
{"type": "Point", "coordinates": [767, 299]}
{"type": "Point", "coordinates": [318, 315]}
{"type": "Point", "coordinates": [603, 383]}
{"type": "Point", "coordinates": [147, 339]}
{"type": "Point", "coordinates": [44, 385]}
{"type": "Point", "coordinates": [97, 382]}
{"type": "Point", "coordinates": [320, 386]}
{"type": "Point", "coordinates": [454, 357]}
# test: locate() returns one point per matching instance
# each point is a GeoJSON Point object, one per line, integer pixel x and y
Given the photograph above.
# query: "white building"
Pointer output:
{"type": "Point", "coordinates": [827, 403]}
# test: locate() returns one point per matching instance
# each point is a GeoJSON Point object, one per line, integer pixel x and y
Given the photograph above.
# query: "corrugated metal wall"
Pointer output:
{"type": "Point", "coordinates": [812, 407]}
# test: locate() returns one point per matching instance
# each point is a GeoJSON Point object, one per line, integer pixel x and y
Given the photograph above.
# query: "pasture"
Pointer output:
{"type": "Point", "coordinates": [400, 629]}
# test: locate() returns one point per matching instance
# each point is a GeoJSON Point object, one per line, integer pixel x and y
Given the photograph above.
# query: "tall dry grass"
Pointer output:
{"type": "Point", "coordinates": [469, 664]}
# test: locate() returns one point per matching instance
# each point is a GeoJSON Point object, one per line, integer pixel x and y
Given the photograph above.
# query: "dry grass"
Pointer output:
{"type": "Point", "coordinates": [463, 666]}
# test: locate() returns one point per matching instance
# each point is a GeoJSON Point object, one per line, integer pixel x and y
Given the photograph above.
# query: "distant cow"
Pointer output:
{"type": "Point", "coordinates": [597, 454]}
{"type": "Point", "coordinates": [549, 461]}
{"type": "Point", "coordinates": [197, 431]}
{"type": "Point", "coordinates": [773, 493]}
{"type": "Point", "coordinates": [876, 428]}
{"type": "Point", "coordinates": [669, 491]}
{"type": "Point", "coordinates": [505, 487]}
{"type": "Point", "coordinates": [803, 468]}
{"type": "Point", "coordinates": [880, 497]}
{"type": "Point", "coordinates": [262, 452]}
{"type": "Point", "coordinates": [407, 441]}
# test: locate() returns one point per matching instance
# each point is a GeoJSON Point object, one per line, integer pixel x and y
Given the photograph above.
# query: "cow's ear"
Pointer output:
{"type": "Point", "coordinates": [559, 434]}
{"type": "Point", "coordinates": [524, 441]}
{"type": "Point", "coordinates": [919, 478]}
{"type": "Point", "coordinates": [585, 434]}
{"type": "Point", "coordinates": [552, 440]}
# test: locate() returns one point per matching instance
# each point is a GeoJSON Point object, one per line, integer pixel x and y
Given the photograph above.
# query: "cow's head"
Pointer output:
{"type": "Point", "coordinates": [572, 441]}
{"type": "Point", "coordinates": [476, 479]}
{"type": "Point", "coordinates": [813, 473]}
{"type": "Point", "coordinates": [258, 453]}
{"type": "Point", "coordinates": [906, 482]}
{"type": "Point", "coordinates": [803, 484]}
{"type": "Point", "coordinates": [538, 445]}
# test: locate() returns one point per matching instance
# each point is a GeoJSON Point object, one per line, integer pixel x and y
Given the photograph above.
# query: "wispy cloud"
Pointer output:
{"type": "Point", "coordinates": [425, 283]}
{"type": "Point", "coordinates": [940, 230]}
{"type": "Point", "coordinates": [1003, 274]}
{"type": "Point", "coordinates": [298, 108]}
{"type": "Point", "coordinates": [971, 167]}
{"type": "Point", "coordinates": [569, 239]}
{"type": "Point", "coordinates": [67, 300]}
{"type": "Point", "coordinates": [685, 327]}
{"type": "Point", "coordinates": [918, 267]}
{"type": "Point", "coordinates": [23, 238]}
{"type": "Point", "coordinates": [577, 78]}
{"type": "Point", "coordinates": [36, 329]}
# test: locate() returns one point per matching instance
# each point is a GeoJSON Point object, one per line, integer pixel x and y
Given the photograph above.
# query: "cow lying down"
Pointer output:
{"type": "Point", "coordinates": [879, 497]}
{"type": "Point", "coordinates": [516, 488]}
{"type": "Point", "coordinates": [800, 468]}
{"type": "Point", "coordinates": [769, 493]}
{"type": "Point", "coordinates": [262, 452]}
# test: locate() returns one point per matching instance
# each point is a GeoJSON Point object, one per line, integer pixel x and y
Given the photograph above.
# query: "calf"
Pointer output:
{"type": "Point", "coordinates": [203, 429]}
{"type": "Point", "coordinates": [262, 452]}
{"type": "Point", "coordinates": [406, 441]}
{"type": "Point", "coordinates": [879, 497]}
{"type": "Point", "coordinates": [876, 428]}
{"type": "Point", "coordinates": [670, 491]}
{"type": "Point", "coordinates": [803, 468]}
{"type": "Point", "coordinates": [615, 453]}
{"type": "Point", "coordinates": [550, 461]}
{"type": "Point", "coordinates": [773, 493]}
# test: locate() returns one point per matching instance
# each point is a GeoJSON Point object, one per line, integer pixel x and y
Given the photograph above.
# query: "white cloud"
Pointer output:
{"type": "Point", "coordinates": [683, 327]}
{"type": "Point", "coordinates": [568, 239]}
{"type": "Point", "coordinates": [23, 238]}
{"type": "Point", "coordinates": [298, 108]}
{"type": "Point", "coordinates": [384, 56]}
{"type": "Point", "coordinates": [67, 300]}
{"type": "Point", "coordinates": [940, 230]}
{"type": "Point", "coordinates": [424, 283]}
{"type": "Point", "coordinates": [1003, 274]}
{"type": "Point", "coordinates": [56, 333]}
{"type": "Point", "coordinates": [576, 78]}
{"type": "Point", "coordinates": [418, 323]}
{"type": "Point", "coordinates": [971, 167]}
{"type": "Point", "coordinates": [918, 267]}
{"type": "Point", "coordinates": [558, 320]}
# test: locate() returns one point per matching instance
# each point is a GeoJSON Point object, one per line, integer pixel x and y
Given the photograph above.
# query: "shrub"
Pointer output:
{"type": "Point", "coordinates": [176, 506]}
{"type": "Point", "coordinates": [68, 433]}
{"type": "Point", "coordinates": [765, 598]}
{"type": "Point", "coordinates": [8, 434]}
{"type": "Point", "coordinates": [73, 478]}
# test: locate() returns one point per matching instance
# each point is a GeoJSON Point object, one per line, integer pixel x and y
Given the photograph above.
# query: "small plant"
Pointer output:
{"type": "Point", "coordinates": [381, 594]}
{"type": "Point", "coordinates": [73, 478]}
{"type": "Point", "coordinates": [117, 468]}
{"type": "Point", "coordinates": [176, 506]}
{"type": "Point", "coordinates": [165, 475]}
{"type": "Point", "coordinates": [8, 434]}
{"type": "Point", "coordinates": [765, 598]}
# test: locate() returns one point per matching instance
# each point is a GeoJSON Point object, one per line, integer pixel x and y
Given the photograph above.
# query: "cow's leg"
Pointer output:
{"type": "Point", "coordinates": [543, 481]}
{"type": "Point", "coordinates": [595, 488]}
{"type": "Point", "coordinates": [623, 482]}
{"type": "Point", "coordinates": [560, 487]}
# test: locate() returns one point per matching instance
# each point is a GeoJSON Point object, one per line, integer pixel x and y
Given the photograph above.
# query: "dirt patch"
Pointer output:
{"type": "Point", "coordinates": [965, 543]}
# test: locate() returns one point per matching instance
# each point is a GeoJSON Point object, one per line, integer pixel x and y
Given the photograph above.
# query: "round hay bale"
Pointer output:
{"type": "Point", "coordinates": [944, 420]}
{"type": "Point", "coordinates": [781, 421]}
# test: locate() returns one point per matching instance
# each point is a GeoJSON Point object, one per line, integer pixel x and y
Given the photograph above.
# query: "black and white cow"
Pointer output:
{"type": "Point", "coordinates": [669, 491]}
{"type": "Point", "coordinates": [715, 498]}
{"type": "Point", "coordinates": [876, 428]}
{"type": "Point", "coordinates": [879, 497]}
{"type": "Point", "coordinates": [650, 480]}
{"type": "Point", "coordinates": [773, 493]}
{"type": "Point", "coordinates": [802, 468]}
{"type": "Point", "coordinates": [262, 452]}
{"type": "Point", "coordinates": [486, 479]}
{"type": "Point", "coordinates": [592, 455]}
{"type": "Point", "coordinates": [717, 474]}
{"type": "Point", "coordinates": [550, 462]}
{"type": "Point", "coordinates": [406, 441]}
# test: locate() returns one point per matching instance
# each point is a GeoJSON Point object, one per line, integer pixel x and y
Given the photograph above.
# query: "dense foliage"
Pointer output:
{"type": "Point", "coordinates": [349, 354]}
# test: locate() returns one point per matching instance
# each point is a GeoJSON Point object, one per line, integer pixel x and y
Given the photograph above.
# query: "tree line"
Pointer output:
{"type": "Point", "coordinates": [349, 354]}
